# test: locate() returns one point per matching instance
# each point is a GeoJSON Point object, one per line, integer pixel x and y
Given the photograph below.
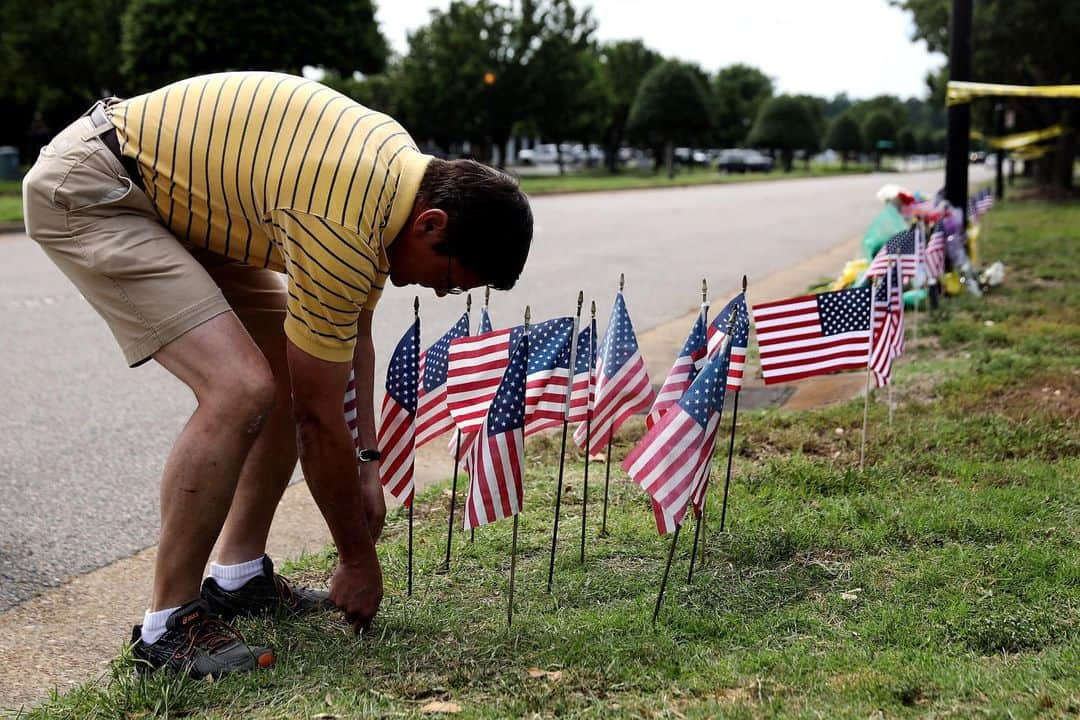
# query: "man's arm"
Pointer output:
{"type": "Point", "coordinates": [328, 458]}
{"type": "Point", "coordinates": [364, 371]}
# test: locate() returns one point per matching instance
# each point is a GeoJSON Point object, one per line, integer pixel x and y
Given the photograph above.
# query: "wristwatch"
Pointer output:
{"type": "Point", "coordinates": [367, 455]}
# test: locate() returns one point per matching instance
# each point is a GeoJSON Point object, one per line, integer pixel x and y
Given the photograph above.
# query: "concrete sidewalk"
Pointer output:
{"type": "Point", "coordinates": [68, 635]}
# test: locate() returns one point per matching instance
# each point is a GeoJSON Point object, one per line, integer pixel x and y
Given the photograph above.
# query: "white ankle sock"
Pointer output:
{"type": "Point", "coordinates": [153, 624]}
{"type": "Point", "coordinates": [231, 577]}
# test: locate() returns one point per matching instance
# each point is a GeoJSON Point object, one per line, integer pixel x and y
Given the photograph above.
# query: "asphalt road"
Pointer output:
{"type": "Point", "coordinates": [83, 439]}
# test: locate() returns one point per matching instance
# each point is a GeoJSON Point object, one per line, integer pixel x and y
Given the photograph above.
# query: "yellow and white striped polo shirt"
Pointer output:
{"type": "Point", "coordinates": [284, 173]}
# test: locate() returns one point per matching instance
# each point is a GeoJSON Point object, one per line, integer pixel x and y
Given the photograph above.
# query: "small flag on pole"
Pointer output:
{"type": "Point", "coordinates": [901, 244]}
{"type": "Point", "coordinates": [476, 367]}
{"type": "Point", "coordinates": [691, 359]}
{"type": "Point", "coordinates": [397, 421]}
{"type": "Point", "coordinates": [935, 253]}
{"type": "Point", "coordinates": [888, 328]}
{"type": "Point", "coordinates": [622, 382]}
{"type": "Point", "coordinates": [497, 455]}
{"type": "Point", "coordinates": [671, 461]}
{"type": "Point", "coordinates": [813, 334]}
{"type": "Point", "coordinates": [549, 374]}
{"type": "Point", "coordinates": [584, 365]}
{"type": "Point", "coordinates": [740, 338]}
{"type": "Point", "coordinates": [432, 416]}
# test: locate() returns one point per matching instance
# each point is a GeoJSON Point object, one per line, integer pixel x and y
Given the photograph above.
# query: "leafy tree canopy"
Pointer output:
{"type": "Point", "coordinates": [784, 122]}
{"type": "Point", "coordinates": [738, 92]}
{"type": "Point", "coordinates": [878, 126]}
{"type": "Point", "coordinates": [670, 106]}
{"type": "Point", "coordinates": [844, 135]}
{"type": "Point", "coordinates": [166, 40]}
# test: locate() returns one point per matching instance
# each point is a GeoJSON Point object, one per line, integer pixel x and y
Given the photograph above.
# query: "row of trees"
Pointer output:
{"type": "Point", "coordinates": [483, 71]}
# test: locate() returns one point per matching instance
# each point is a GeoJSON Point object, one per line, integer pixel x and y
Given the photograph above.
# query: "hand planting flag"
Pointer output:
{"type": "Point", "coordinates": [691, 359]}
{"type": "Point", "coordinates": [622, 382]}
{"type": "Point", "coordinates": [432, 415]}
{"type": "Point", "coordinates": [901, 244]}
{"type": "Point", "coordinates": [813, 334]}
{"type": "Point", "coordinates": [397, 421]}
{"type": "Point", "coordinates": [740, 338]}
{"type": "Point", "coordinates": [671, 462]}
{"type": "Point", "coordinates": [888, 327]}
{"type": "Point", "coordinates": [497, 455]}
{"type": "Point", "coordinates": [548, 374]}
{"type": "Point", "coordinates": [584, 365]}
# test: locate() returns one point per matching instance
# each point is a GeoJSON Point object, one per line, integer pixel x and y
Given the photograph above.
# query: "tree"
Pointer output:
{"type": "Point", "coordinates": [670, 107]}
{"type": "Point", "coordinates": [166, 40]}
{"type": "Point", "coordinates": [624, 64]}
{"type": "Point", "coordinates": [463, 77]}
{"type": "Point", "coordinates": [737, 93]}
{"type": "Point", "coordinates": [1024, 42]}
{"type": "Point", "coordinates": [564, 82]}
{"type": "Point", "coordinates": [784, 123]}
{"type": "Point", "coordinates": [844, 137]}
{"type": "Point", "coordinates": [879, 134]}
{"type": "Point", "coordinates": [56, 58]}
{"type": "Point", "coordinates": [906, 143]}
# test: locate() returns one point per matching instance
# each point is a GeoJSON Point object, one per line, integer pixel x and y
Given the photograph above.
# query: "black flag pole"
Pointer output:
{"type": "Point", "coordinates": [562, 449]}
{"type": "Point", "coordinates": [725, 348]}
{"type": "Point", "coordinates": [487, 299]}
{"type": "Point", "coordinates": [731, 441]}
{"type": "Point", "coordinates": [412, 495]}
{"type": "Point", "coordinates": [457, 461]}
{"type": "Point", "coordinates": [607, 463]}
{"type": "Point", "coordinates": [667, 571]}
{"type": "Point", "coordinates": [588, 428]}
{"type": "Point", "coordinates": [701, 515]}
{"type": "Point", "coordinates": [513, 543]}
{"type": "Point", "coordinates": [869, 355]}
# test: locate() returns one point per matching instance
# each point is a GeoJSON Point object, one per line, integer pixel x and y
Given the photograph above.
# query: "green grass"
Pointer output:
{"type": "Point", "coordinates": [942, 582]}
{"type": "Point", "coordinates": [593, 180]}
{"type": "Point", "coordinates": [10, 201]}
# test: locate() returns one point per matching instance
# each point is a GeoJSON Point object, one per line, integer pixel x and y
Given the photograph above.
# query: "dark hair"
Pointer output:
{"type": "Point", "coordinates": [490, 225]}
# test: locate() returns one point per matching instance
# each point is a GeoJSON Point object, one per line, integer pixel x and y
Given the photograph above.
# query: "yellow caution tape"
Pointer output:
{"type": "Point", "coordinates": [1019, 140]}
{"type": "Point", "coordinates": [959, 92]}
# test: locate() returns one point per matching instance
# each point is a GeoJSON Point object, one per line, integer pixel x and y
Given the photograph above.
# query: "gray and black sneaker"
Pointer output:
{"type": "Point", "coordinates": [200, 644]}
{"type": "Point", "coordinates": [265, 594]}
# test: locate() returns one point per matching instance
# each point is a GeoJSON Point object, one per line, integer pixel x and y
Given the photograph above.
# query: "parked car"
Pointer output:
{"type": "Point", "coordinates": [538, 155]}
{"type": "Point", "coordinates": [739, 160]}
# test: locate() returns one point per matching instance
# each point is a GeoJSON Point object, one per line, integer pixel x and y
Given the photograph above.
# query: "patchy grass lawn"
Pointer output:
{"type": "Point", "coordinates": [942, 582]}
{"type": "Point", "coordinates": [10, 201]}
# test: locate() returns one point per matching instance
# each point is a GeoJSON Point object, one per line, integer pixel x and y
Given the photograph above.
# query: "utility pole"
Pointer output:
{"type": "Point", "coordinates": [956, 156]}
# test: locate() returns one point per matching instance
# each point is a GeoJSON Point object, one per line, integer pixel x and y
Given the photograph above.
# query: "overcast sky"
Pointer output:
{"type": "Point", "coordinates": [861, 47]}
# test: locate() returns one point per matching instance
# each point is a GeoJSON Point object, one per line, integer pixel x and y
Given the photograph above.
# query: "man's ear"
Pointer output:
{"type": "Point", "coordinates": [432, 220]}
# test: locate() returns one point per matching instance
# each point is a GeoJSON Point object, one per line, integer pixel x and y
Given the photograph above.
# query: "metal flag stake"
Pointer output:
{"type": "Point", "coordinates": [667, 571]}
{"type": "Point", "coordinates": [562, 449]}
{"type": "Point", "coordinates": [869, 355]}
{"type": "Point", "coordinates": [457, 461]}
{"type": "Point", "coordinates": [731, 441]}
{"type": "Point", "coordinates": [588, 427]}
{"type": "Point", "coordinates": [487, 299]}
{"type": "Point", "coordinates": [513, 542]}
{"type": "Point", "coordinates": [607, 462]}
{"type": "Point", "coordinates": [705, 496]}
{"type": "Point", "coordinates": [412, 498]}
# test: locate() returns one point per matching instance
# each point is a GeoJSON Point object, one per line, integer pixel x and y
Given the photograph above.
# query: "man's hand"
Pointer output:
{"type": "Point", "coordinates": [374, 502]}
{"type": "Point", "coordinates": [357, 589]}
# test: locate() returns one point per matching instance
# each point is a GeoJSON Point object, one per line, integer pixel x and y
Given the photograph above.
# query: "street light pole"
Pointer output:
{"type": "Point", "coordinates": [956, 157]}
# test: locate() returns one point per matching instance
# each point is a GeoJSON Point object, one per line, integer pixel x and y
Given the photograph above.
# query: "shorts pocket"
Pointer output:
{"type": "Point", "coordinates": [86, 187]}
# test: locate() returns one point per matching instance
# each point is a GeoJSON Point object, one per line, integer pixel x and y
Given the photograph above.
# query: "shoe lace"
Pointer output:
{"type": "Point", "coordinates": [284, 591]}
{"type": "Point", "coordinates": [210, 633]}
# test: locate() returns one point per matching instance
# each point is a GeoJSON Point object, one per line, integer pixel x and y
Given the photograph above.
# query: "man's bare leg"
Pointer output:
{"type": "Point", "coordinates": [269, 465]}
{"type": "Point", "coordinates": [234, 388]}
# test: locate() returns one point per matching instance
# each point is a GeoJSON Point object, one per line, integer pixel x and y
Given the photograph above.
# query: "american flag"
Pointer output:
{"type": "Point", "coordinates": [485, 322]}
{"type": "Point", "coordinates": [935, 253]}
{"type": "Point", "coordinates": [453, 445]}
{"type": "Point", "coordinates": [548, 374]}
{"type": "Point", "coordinates": [622, 382]}
{"type": "Point", "coordinates": [888, 327]}
{"type": "Point", "coordinates": [350, 410]}
{"type": "Point", "coordinates": [813, 334]}
{"type": "Point", "coordinates": [497, 455]}
{"type": "Point", "coordinates": [476, 366]}
{"type": "Point", "coordinates": [671, 461]}
{"type": "Point", "coordinates": [584, 364]}
{"type": "Point", "coordinates": [682, 373]}
{"type": "Point", "coordinates": [902, 244]}
{"type": "Point", "coordinates": [740, 338]}
{"type": "Point", "coordinates": [432, 415]}
{"type": "Point", "coordinates": [397, 421]}
{"type": "Point", "coordinates": [984, 201]}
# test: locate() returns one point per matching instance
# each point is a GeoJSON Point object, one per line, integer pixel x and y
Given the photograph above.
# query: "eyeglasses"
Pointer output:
{"type": "Point", "coordinates": [449, 287]}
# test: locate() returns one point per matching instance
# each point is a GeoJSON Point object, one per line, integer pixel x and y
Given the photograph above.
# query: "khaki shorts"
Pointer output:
{"type": "Point", "coordinates": [103, 232]}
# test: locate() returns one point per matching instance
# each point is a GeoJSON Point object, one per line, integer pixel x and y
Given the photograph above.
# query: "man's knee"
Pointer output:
{"type": "Point", "coordinates": [245, 396]}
